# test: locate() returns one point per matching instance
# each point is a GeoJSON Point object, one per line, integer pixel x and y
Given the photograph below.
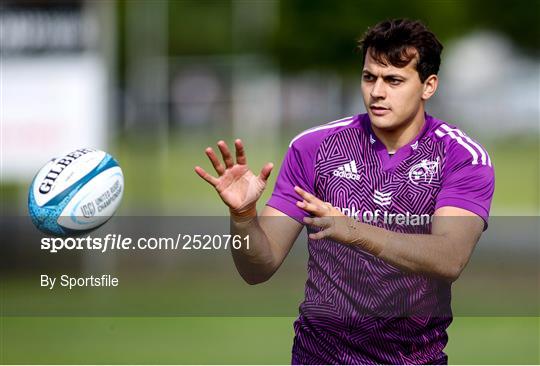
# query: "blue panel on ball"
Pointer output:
{"type": "Point", "coordinates": [45, 217]}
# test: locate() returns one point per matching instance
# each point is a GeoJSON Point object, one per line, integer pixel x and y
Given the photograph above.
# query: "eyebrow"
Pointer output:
{"type": "Point", "coordinates": [389, 76]}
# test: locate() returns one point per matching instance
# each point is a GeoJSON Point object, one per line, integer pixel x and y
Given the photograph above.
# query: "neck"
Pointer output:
{"type": "Point", "coordinates": [401, 136]}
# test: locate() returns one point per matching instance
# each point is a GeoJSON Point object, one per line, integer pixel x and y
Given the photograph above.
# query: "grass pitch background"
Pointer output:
{"type": "Point", "coordinates": [476, 340]}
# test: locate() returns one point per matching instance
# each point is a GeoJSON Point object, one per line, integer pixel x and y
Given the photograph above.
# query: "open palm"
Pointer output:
{"type": "Point", "coordinates": [236, 184]}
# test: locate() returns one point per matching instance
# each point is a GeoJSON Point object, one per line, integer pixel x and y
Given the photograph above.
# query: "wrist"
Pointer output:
{"type": "Point", "coordinates": [353, 236]}
{"type": "Point", "coordinates": [368, 237]}
{"type": "Point", "coordinates": [244, 215]}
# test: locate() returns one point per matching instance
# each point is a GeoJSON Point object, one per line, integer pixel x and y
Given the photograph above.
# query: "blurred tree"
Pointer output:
{"type": "Point", "coordinates": [518, 19]}
{"type": "Point", "coordinates": [200, 27]}
{"type": "Point", "coordinates": [321, 33]}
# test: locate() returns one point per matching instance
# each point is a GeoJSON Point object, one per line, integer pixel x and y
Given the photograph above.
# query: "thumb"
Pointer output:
{"type": "Point", "coordinates": [265, 171]}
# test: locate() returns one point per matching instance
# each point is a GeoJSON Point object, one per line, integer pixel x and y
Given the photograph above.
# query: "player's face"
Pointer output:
{"type": "Point", "coordinates": [393, 96]}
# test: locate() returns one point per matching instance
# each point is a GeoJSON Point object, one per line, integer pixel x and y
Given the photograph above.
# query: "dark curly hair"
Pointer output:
{"type": "Point", "coordinates": [398, 41]}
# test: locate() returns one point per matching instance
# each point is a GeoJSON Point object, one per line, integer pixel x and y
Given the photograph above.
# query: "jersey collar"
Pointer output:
{"type": "Point", "coordinates": [387, 162]}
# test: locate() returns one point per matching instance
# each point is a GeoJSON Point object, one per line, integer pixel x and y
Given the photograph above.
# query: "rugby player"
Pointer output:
{"type": "Point", "coordinates": [394, 201]}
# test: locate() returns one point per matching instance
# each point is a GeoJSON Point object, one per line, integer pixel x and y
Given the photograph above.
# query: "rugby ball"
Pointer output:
{"type": "Point", "coordinates": [75, 193]}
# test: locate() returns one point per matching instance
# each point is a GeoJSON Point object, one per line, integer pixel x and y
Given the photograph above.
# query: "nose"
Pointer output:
{"type": "Point", "coordinates": [378, 91]}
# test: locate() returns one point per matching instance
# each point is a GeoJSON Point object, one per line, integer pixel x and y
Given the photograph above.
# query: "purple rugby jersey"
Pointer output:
{"type": "Point", "coordinates": [358, 308]}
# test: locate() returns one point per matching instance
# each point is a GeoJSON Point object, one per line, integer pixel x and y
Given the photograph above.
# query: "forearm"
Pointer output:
{"type": "Point", "coordinates": [420, 253]}
{"type": "Point", "coordinates": [257, 263]}
{"type": "Point", "coordinates": [442, 253]}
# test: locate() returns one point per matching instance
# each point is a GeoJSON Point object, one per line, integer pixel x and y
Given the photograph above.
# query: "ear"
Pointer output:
{"type": "Point", "coordinates": [430, 86]}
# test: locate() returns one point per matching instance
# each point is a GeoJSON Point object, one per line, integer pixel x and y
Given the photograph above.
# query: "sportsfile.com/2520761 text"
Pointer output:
{"type": "Point", "coordinates": [120, 242]}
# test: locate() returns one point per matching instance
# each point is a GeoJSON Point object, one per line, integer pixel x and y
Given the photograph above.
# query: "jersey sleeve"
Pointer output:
{"type": "Point", "coordinates": [296, 170]}
{"type": "Point", "coordinates": [467, 183]}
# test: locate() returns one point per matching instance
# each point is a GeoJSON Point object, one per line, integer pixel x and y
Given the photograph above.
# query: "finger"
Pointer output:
{"type": "Point", "coordinates": [215, 161]}
{"type": "Point", "coordinates": [240, 153]}
{"type": "Point", "coordinates": [207, 177]}
{"type": "Point", "coordinates": [321, 222]}
{"type": "Point", "coordinates": [300, 191]}
{"type": "Point", "coordinates": [322, 208]}
{"type": "Point", "coordinates": [309, 207]}
{"type": "Point", "coordinates": [225, 152]}
{"type": "Point", "coordinates": [318, 223]}
{"type": "Point", "coordinates": [265, 171]}
{"type": "Point", "coordinates": [318, 210]}
{"type": "Point", "coordinates": [308, 196]}
{"type": "Point", "coordinates": [327, 206]}
{"type": "Point", "coordinates": [326, 222]}
{"type": "Point", "coordinates": [320, 234]}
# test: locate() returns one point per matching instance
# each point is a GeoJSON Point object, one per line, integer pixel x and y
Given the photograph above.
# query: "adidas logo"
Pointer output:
{"type": "Point", "coordinates": [347, 171]}
{"type": "Point", "coordinates": [383, 199]}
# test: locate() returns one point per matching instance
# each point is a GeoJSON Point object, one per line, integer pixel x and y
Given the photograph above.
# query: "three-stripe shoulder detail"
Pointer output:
{"type": "Point", "coordinates": [337, 123]}
{"type": "Point", "coordinates": [478, 153]}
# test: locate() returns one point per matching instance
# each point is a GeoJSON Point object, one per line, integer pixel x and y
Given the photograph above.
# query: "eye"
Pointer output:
{"type": "Point", "coordinates": [368, 77]}
{"type": "Point", "coordinates": [394, 81]}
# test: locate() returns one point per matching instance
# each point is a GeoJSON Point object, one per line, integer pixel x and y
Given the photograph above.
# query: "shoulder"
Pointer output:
{"type": "Point", "coordinates": [458, 146]}
{"type": "Point", "coordinates": [311, 139]}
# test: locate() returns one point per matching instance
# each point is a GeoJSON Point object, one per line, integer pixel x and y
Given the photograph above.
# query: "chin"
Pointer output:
{"type": "Point", "coordinates": [383, 122]}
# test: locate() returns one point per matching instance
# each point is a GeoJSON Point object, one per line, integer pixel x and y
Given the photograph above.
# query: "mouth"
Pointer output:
{"type": "Point", "coordinates": [379, 110]}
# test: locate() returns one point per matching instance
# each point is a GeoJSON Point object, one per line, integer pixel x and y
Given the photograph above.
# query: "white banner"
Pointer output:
{"type": "Point", "coordinates": [49, 106]}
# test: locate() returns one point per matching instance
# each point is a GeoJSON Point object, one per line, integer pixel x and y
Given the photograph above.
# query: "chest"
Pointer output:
{"type": "Point", "coordinates": [357, 180]}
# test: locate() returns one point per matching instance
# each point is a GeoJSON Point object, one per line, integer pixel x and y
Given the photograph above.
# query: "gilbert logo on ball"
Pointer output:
{"type": "Point", "coordinates": [75, 193]}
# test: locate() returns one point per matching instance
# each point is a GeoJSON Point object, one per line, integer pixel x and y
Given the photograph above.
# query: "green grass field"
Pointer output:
{"type": "Point", "coordinates": [218, 340]}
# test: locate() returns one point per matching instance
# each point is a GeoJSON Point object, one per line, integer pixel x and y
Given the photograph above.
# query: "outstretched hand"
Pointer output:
{"type": "Point", "coordinates": [236, 184]}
